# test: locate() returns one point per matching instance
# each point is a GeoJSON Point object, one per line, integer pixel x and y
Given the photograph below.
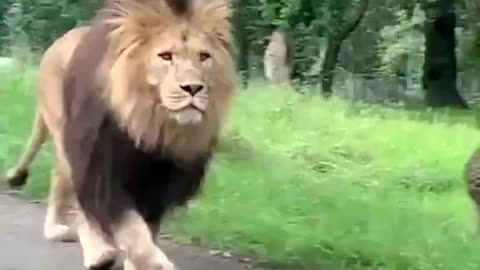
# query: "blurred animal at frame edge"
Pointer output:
{"type": "Point", "coordinates": [472, 179]}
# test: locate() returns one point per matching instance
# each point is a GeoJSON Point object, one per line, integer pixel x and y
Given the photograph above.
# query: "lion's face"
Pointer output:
{"type": "Point", "coordinates": [177, 70]}
{"type": "Point", "coordinates": [170, 75]}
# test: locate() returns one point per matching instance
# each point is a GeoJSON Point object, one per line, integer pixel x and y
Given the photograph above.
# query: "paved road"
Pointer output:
{"type": "Point", "coordinates": [22, 246]}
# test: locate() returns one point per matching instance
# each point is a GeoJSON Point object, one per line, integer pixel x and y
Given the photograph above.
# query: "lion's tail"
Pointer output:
{"type": "Point", "coordinates": [17, 176]}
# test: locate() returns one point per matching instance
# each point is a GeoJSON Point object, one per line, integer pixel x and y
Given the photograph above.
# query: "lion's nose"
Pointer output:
{"type": "Point", "coordinates": [192, 88]}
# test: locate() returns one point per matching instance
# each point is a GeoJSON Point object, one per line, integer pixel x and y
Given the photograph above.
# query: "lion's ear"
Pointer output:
{"type": "Point", "coordinates": [214, 17]}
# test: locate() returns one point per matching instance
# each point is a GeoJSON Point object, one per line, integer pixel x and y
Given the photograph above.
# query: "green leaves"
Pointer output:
{"type": "Point", "coordinates": [403, 41]}
{"type": "Point", "coordinates": [39, 22]}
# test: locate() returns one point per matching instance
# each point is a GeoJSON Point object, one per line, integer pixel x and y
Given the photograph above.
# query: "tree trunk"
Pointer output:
{"type": "Point", "coordinates": [440, 64]}
{"type": "Point", "coordinates": [334, 45]}
{"type": "Point", "coordinates": [243, 43]}
{"type": "Point", "coordinates": [329, 62]}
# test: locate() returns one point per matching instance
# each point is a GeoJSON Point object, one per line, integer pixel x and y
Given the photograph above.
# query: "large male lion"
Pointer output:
{"type": "Point", "coordinates": [134, 104]}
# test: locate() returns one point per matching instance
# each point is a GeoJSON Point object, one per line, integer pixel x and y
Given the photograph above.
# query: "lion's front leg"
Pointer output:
{"type": "Point", "coordinates": [128, 265]}
{"type": "Point", "coordinates": [134, 237]}
{"type": "Point", "coordinates": [61, 203]}
{"type": "Point", "coordinates": [154, 227]}
{"type": "Point", "coordinates": [98, 250]}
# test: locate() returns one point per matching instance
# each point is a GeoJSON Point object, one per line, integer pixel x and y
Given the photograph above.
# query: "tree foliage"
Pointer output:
{"type": "Point", "coordinates": [387, 40]}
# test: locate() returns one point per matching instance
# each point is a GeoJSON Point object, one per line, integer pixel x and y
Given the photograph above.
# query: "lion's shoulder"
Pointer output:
{"type": "Point", "coordinates": [58, 55]}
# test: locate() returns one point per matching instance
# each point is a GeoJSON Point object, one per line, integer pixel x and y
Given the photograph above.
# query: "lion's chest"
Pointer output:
{"type": "Point", "coordinates": [155, 181]}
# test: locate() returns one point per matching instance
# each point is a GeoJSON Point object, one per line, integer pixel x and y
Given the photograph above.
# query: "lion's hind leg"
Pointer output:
{"type": "Point", "coordinates": [61, 204]}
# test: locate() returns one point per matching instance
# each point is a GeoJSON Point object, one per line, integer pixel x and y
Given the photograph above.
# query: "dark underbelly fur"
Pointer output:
{"type": "Point", "coordinates": [154, 182]}
{"type": "Point", "coordinates": [158, 183]}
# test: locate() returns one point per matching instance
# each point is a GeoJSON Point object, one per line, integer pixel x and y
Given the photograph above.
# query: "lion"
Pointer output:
{"type": "Point", "coordinates": [134, 103]}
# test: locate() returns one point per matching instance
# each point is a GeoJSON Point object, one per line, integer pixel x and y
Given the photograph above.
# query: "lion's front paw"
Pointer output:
{"type": "Point", "coordinates": [101, 260]}
{"type": "Point", "coordinates": [156, 260]}
{"type": "Point", "coordinates": [59, 233]}
{"type": "Point", "coordinates": [168, 266]}
{"type": "Point", "coordinates": [161, 262]}
{"type": "Point", "coordinates": [128, 265]}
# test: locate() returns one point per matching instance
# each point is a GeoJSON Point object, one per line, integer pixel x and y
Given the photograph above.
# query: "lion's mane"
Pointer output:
{"type": "Point", "coordinates": [123, 149]}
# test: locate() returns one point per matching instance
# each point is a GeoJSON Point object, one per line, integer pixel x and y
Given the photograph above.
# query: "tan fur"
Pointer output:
{"type": "Point", "coordinates": [96, 249]}
{"type": "Point", "coordinates": [472, 180]}
{"type": "Point", "coordinates": [135, 239]}
{"type": "Point", "coordinates": [275, 59]}
{"type": "Point", "coordinates": [144, 96]}
{"type": "Point", "coordinates": [128, 265]}
{"type": "Point", "coordinates": [49, 120]}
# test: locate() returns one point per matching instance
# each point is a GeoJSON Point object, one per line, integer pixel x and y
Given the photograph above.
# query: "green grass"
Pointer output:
{"type": "Point", "coordinates": [307, 182]}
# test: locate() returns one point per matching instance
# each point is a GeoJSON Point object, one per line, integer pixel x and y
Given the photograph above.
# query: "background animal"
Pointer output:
{"type": "Point", "coordinates": [276, 58]}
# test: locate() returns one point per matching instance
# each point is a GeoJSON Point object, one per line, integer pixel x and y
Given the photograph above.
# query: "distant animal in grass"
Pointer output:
{"type": "Point", "coordinates": [276, 58]}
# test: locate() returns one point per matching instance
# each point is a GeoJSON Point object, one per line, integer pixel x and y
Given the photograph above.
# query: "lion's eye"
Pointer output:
{"type": "Point", "coordinates": [204, 56]}
{"type": "Point", "coordinates": [167, 56]}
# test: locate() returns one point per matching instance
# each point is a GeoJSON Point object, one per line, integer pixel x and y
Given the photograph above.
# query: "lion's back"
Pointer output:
{"type": "Point", "coordinates": [56, 58]}
{"type": "Point", "coordinates": [60, 52]}
{"type": "Point", "coordinates": [52, 72]}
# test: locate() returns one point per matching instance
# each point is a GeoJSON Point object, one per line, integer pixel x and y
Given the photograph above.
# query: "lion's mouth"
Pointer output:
{"type": "Point", "coordinates": [193, 107]}
{"type": "Point", "coordinates": [185, 112]}
{"type": "Point", "coordinates": [190, 105]}
{"type": "Point", "coordinates": [189, 115]}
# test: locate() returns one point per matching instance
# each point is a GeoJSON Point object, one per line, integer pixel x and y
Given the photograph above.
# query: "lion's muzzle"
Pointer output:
{"type": "Point", "coordinates": [192, 88]}
{"type": "Point", "coordinates": [188, 116]}
{"type": "Point", "coordinates": [188, 103]}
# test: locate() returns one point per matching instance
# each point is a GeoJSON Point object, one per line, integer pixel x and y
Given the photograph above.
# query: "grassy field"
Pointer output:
{"type": "Point", "coordinates": [305, 182]}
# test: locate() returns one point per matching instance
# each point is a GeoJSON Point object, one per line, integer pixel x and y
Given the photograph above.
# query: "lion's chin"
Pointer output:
{"type": "Point", "coordinates": [187, 116]}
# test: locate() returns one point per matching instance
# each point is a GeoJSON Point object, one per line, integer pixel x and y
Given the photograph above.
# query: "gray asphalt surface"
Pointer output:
{"type": "Point", "coordinates": [22, 246]}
